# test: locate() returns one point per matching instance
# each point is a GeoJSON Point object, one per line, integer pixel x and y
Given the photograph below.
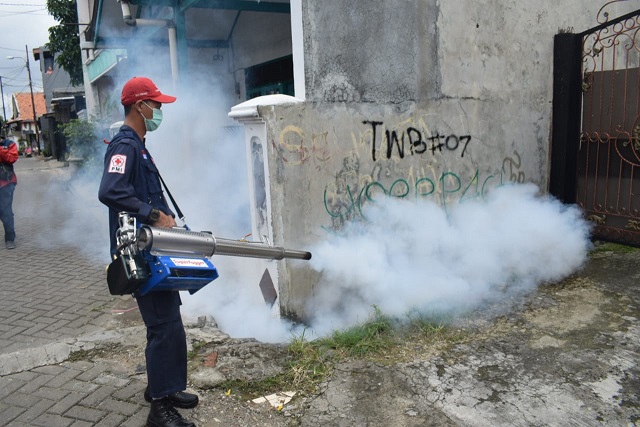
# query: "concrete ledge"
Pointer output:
{"type": "Point", "coordinates": [49, 354]}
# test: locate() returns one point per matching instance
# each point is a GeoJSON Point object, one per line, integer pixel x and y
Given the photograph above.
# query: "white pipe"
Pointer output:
{"type": "Point", "coordinates": [126, 12]}
{"type": "Point", "coordinates": [173, 54]}
{"type": "Point", "coordinates": [171, 32]}
{"type": "Point", "coordinates": [151, 22]}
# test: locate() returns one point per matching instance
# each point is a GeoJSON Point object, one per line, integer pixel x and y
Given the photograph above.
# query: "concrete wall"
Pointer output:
{"type": "Point", "coordinates": [424, 99]}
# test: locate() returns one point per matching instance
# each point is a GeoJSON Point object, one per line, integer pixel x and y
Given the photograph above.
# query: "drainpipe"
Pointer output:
{"type": "Point", "coordinates": [171, 32]}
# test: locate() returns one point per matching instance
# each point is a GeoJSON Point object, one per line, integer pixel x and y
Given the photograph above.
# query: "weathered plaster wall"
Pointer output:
{"type": "Point", "coordinates": [373, 51]}
{"type": "Point", "coordinates": [441, 100]}
{"type": "Point", "coordinates": [327, 162]}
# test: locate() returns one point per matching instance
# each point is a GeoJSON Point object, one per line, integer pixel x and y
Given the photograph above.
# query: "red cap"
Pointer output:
{"type": "Point", "coordinates": [141, 88]}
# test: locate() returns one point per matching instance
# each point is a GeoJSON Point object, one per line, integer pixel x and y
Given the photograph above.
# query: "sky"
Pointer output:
{"type": "Point", "coordinates": [23, 23]}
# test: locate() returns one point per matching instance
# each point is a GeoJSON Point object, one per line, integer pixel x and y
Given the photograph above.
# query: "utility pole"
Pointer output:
{"type": "Point", "coordinates": [4, 112]}
{"type": "Point", "coordinates": [33, 103]}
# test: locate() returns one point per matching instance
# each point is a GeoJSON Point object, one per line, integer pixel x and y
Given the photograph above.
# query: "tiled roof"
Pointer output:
{"type": "Point", "coordinates": [23, 111]}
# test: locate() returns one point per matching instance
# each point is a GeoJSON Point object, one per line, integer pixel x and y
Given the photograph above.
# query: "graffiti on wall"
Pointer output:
{"type": "Point", "coordinates": [413, 141]}
{"type": "Point", "coordinates": [386, 149]}
{"type": "Point", "coordinates": [345, 197]}
{"type": "Point", "coordinates": [409, 138]}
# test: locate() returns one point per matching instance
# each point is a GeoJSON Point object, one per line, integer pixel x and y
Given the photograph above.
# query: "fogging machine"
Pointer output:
{"type": "Point", "coordinates": [176, 259]}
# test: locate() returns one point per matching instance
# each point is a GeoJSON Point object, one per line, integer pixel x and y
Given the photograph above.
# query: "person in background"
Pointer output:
{"type": "Point", "coordinates": [131, 183]}
{"type": "Point", "coordinates": [8, 181]}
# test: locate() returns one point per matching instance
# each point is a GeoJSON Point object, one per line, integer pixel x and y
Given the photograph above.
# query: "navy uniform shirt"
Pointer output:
{"type": "Point", "coordinates": [130, 181]}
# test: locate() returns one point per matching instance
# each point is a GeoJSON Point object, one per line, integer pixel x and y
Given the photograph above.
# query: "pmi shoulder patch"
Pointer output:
{"type": "Point", "coordinates": [117, 164]}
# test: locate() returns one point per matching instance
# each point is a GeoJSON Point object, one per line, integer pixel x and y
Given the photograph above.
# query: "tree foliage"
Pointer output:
{"type": "Point", "coordinates": [64, 40]}
{"type": "Point", "coordinates": [81, 137]}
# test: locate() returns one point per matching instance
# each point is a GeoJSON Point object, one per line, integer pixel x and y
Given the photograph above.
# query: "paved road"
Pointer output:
{"type": "Point", "coordinates": [53, 300]}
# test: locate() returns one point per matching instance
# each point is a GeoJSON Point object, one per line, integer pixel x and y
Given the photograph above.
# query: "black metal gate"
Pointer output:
{"type": "Point", "coordinates": [602, 120]}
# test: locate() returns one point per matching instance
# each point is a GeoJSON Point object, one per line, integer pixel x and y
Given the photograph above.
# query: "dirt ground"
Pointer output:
{"type": "Point", "coordinates": [565, 355]}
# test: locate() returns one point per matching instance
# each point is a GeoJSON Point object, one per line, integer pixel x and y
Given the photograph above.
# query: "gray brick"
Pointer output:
{"type": "Point", "coordinates": [97, 396]}
{"type": "Point", "coordinates": [138, 420]}
{"type": "Point", "coordinates": [10, 414]}
{"type": "Point", "coordinates": [111, 380]}
{"type": "Point", "coordinates": [13, 332]}
{"type": "Point", "coordinates": [48, 335]}
{"type": "Point", "coordinates": [67, 375]}
{"type": "Point", "coordinates": [35, 328]}
{"type": "Point", "coordinates": [20, 424]}
{"type": "Point", "coordinates": [24, 376]}
{"type": "Point", "coordinates": [36, 383]}
{"type": "Point", "coordinates": [112, 420]}
{"type": "Point", "coordinates": [49, 420]}
{"type": "Point", "coordinates": [119, 407]}
{"type": "Point", "coordinates": [50, 370]}
{"type": "Point", "coordinates": [65, 315]}
{"type": "Point", "coordinates": [80, 386]}
{"type": "Point", "coordinates": [92, 373]}
{"type": "Point", "coordinates": [134, 389]}
{"type": "Point", "coordinates": [50, 393]}
{"type": "Point", "coordinates": [66, 403]}
{"type": "Point", "coordinates": [85, 414]}
{"type": "Point", "coordinates": [67, 331]}
{"type": "Point", "coordinates": [34, 411]}
{"type": "Point", "coordinates": [9, 385]}
{"type": "Point", "coordinates": [57, 324]}
{"type": "Point", "coordinates": [20, 399]}
{"type": "Point", "coordinates": [25, 324]}
{"type": "Point", "coordinates": [79, 423]}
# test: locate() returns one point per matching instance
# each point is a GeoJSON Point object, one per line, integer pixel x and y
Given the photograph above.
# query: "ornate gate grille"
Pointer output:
{"type": "Point", "coordinates": [608, 157]}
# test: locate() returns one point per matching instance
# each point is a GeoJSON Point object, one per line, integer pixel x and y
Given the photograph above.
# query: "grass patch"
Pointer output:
{"type": "Point", "coordinates": [96, 353]}
{"type": "Point", "coordinates": [613, 247]}
{"type": "Point", "coordinates": [377, 339]}
{"type": "Point", "coordinates": [367, 338]}
{"type": "Point", "coordinates": [247, 390]}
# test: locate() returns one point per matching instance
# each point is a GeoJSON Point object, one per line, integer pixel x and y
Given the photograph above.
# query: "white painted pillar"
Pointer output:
{"type": "Point", "coordinates": [256, 138]}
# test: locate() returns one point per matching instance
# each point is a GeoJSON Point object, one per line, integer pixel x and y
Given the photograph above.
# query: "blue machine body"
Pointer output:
{"type": "Point", "coordinates": [178, 273]}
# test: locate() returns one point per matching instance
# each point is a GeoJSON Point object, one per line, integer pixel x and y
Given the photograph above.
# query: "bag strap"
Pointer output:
{"type": "Point", "coordinates": [175, 205]}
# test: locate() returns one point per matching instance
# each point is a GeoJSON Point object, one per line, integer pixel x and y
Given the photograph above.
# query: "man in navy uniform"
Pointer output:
{"type": "Point", "coordinates": [131, 183]}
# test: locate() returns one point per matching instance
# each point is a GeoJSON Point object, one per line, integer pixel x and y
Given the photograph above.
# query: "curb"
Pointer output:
{"type": "Point", "coordinates": [54, 353]}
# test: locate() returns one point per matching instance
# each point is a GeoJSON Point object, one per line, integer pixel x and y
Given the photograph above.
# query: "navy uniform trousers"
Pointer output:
{"type": "Point", "coordinates": [166, 351]}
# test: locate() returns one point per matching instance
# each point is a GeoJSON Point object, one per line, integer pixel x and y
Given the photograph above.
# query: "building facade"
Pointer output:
{"type": "Point", "coordinates": [22, 124]}
{"type": "Point", "coordinates": [64, 102]}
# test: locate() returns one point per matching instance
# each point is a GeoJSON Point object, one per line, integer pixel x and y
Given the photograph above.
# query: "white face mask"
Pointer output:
{"type": "Point", "coordinates": [154, 122]}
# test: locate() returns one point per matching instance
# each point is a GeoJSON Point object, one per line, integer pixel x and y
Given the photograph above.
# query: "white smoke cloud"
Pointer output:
{"type": "Point", "coordinates": [410, 256]}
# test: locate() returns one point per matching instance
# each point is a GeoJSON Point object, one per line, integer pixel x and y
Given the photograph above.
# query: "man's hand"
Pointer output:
{"type": "Point", "coordinates": [165, 221]}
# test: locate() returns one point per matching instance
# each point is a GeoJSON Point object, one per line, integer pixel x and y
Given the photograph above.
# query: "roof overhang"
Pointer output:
{"type": "Point", "coordinates": [214, 20]}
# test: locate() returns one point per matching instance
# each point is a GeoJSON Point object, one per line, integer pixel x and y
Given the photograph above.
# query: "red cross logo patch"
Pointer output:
{"type": "Point", "coordinates": [117, 163]}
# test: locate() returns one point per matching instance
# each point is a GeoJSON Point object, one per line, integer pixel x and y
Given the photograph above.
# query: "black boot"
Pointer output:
{"type": "Point", "coordinates": [163, 414]}
{"type": "Point", "coordinates": [181, 399]}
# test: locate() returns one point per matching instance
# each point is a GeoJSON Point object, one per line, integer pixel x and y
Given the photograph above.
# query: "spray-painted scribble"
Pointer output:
{"type": "Point", "coordinates": [416, 142]}
{"type": "Point", "coordinates": [510, 166]}
{"type": "Point", "coordinates": [408, 138]}
{"type": "Point", "coordinates": [295, 148]}
{"type": "Point", "coordinates": [345, 197]}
